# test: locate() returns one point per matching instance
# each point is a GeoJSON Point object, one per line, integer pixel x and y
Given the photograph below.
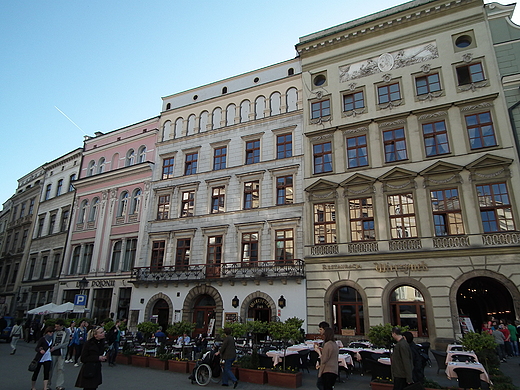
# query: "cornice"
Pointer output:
{"type": "Point", "coordinates": [110, 176]}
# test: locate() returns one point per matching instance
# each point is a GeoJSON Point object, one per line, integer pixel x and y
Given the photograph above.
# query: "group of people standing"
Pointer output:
{"type": "Point", "coordinates": [505, 335]}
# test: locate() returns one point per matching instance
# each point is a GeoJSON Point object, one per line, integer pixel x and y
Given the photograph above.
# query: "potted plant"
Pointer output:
{"type": "Point", "coordinates": [484, 345]}
{"type": "Point", "coordinates": [179, 328]}
{"type": "Point", "coordinates": [140, 360]}
{"type": "Point", "coordinates": [288, 377]}
{"type": "Point", "coordinates": [148, 328]}
{"type": "Point", "coordinates": [248, 369]}
{"type": "Point", "coordinates": [285, 331]}
{"type": "Point", "coordinates": [381, 335]}
{"type": "Point", "coordinates": [379, 383]}
{"type": "Point", "coordinates": [157, 363]}
{"type": "Point", "coordinates": [177, 364]}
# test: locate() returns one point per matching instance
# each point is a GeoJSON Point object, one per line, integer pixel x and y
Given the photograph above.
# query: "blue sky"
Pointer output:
{"type": "Point", "coordinates": [107, 63]}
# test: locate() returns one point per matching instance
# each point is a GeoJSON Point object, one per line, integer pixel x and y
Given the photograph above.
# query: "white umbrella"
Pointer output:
{"type": "Point", "coordinates": [45, 309]}
{"type": "Point", "coordinates": [64, 307]}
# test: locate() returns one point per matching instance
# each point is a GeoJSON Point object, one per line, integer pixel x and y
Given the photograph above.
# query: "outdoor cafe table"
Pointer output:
{"type": "Point", "coordinates": [301, 347]}
{"type": "Point", "coordinates": [356, 351]}
{"type": "Point", "coordinates": [345, 360]}
{"type": "Point", "coordinates": [385, 360]}
{"type": "Point", "coordinates": [449, 355]}
{"type": "Point", "coordinates": [277, 356]}
{"type": "Point", "coordinates": [451, 366]}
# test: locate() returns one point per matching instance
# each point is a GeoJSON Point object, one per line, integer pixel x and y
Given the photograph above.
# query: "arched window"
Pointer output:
{"type": "Point", "coordinates": [130, 158]}
{"type": "Point", "coordinates": [292, 99]}
{"type": "Point", "coordinates": [136, 201]}
{"type": "Point", "coordinates": [347, 306]}
{"type": "Point", "coordinates": [259, 107]}
{"type": "Point", "coordinates": [115, 161]}
{"type": "Point", "coordinates": [101, 165]}
{"type": "Point", "coordinates": [230, 115]}
{"type": "Point", "coordinates": [91, 168]}
{"type": "Point", "coordinates": [123, 204]}
{"type": "Point", "coordinates": [407, 309]}
{"type": "Point", "coordinates": [178, 128]}
{"type": "Point", "coordinates": [275, 102]}
{"type": "Point", "coordinates": [204, 119]}
{"type": "Point", "coordinates": [217, 116]}
{"type": "Point", "coordinates": [167, 131]}
{"type": "Point", "coordinates": [83, 211]}
{"type": "Point", "coordinates": [116, 256]}
{"type": "Point", "coordinates": [245, 107]}
{"type": "Point", "coordinates": [191, 124]}
{"type": "Point", "coordinates": [93, 210]}
{"type": "Point", "coordinates": [141, 154]}
{"type": "Point", "coordinates": [168, 106]}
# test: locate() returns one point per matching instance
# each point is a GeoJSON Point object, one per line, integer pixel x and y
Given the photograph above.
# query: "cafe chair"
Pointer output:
{"type": "Point", "coordinates": [304, 360]}
{"type": "Point", "coordinates": [343, 374]}
{"type": "Point", "coordinates": [425, 348]}
{"type": "Point", "coordinates": [292, 361]}
{"type": "Point", "coordinates": [462, 358]}
{"type": "Point", "coordinates": [468, 378]}
{"type": "Point", "coordinates": [440, 358]}
{"type": "Point", "coordinates": [265, 361]}
{"type": "Point", "coordinates": [365, 355]}
{"type": "Point", "coordinates": [313, 358]}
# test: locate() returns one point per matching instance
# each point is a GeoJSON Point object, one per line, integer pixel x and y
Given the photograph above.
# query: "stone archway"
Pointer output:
{"type": "Point", "coordinates": [191, 298]}
{"type": "Point", "coordinates": [151, 303]}
{"type": "Point", "coordinates": [244, 307]}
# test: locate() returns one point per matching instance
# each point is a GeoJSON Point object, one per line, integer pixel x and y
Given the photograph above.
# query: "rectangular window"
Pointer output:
{"type": "Point", "coordinates": [435, 138]}
{"type": "Point", "coordinates": [402, 216]}
{"type": "Point", "coordinates": [116, 256]}
{"type": "Point", "coordinates": [64, 224]}
{"type": "Point", "coordinates": [320, 109]}
{"type": "Point", "coordinates": [427, 84]}
{"type": "Point", "coordinates": [24, 239]}
{"type": "Point", "coordinates": [130, 252]}
{"type": "Point", "coordinates": [250, 247]}
{"type": "Point", "coordinates": [182, 255]}
{"type": "Point", "coordinates": [253, 151]}
{"type": "Point", "coordinates": [322, 154]}
{"type": "Point", "coordinates": [219, 158]}
{"type": "Point", "coordinates": [163, 207]}
{"type": "Point", "coordinates": [15, 213]}
{"type": "Point", "coordinates": [284, 190]}
{"type": "Point", "coordinates": [39, 232]}
{"type": "Point", "coordinates": [251, 194]}
{"type": "Point", "coordinates": [361, 212]}
{"type": "Point", "coordinates": [214, 257]}
{"type": "Point", "coordinates": [495, 208]}
{"type": "Point", "coordinates": [52, 223]}
{"type": "Point", "coordinates": [324, 223]}
{"type": "Point", "coordinates": [395, 145]}
{"type": "Point", "coordinates": [191, 164]}
{"type": "Point", "coordinates": [157, 255]}
{"type": "Point", "coordinates": [71, 182]}
{"type": "Point", "coordinates": [188, 204]}
{"type": "Point", "coordinates": [468, 74]}
{"type": "Point", "coordinates": [32, 266]}
{"type": "Point", "coordinates": [74, 261]}
{"type": "Point", "coordinates": [56, 266]}
{"type": "Point", "coordinates": [480, 130]}
{"type": "Point", "coordinates": [283, 146]}
{"type": "Point", "coordinates": [167, 168]}
{"type": "Point", "coordinates": [22, 210]}
{"type": "Point", "coordinates": [87, 259]}
{"type": "Point", "coordinates": [15, 242]}
{"type": "Point", "coordinates": [48, 191]}
{"type": "Point", "coordinates": [447, 215]}
{"type": "Point", "coordinates": [59, 188]}
{"type": "Point", "coordinates": [357, 152]}
{"type": "Point", "coordinates": [218, 197]}
{"type": "Point", "coordinates": [353, 101]}
{"type": "Point", "coordinates": [284, 245]}
{"type": "Point", "coordinates": [388, 93]}
{"type": "Point", "coordinates": [43, 267]}
{"type": "Point", "coordinates": [31, 207]}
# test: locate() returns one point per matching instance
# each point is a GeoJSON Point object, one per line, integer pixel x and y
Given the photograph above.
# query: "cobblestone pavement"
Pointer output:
{"type": "Point", "coordinates": [15, 376]}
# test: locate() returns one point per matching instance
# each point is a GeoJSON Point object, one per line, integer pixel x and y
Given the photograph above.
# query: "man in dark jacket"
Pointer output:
{"type": "Point", "coordinates": [401, 361]}
{"type": "Point", "coordinates": [228, 354]}
{"type": "Point", "coordinates": [418, 358]}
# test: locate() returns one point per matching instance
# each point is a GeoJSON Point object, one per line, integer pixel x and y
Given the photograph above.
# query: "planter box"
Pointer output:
{"type": "Point", "coordinates": [139, 361]}
{"type": "Point", "coordinates": [284, 379]}
{"type": "Point", "coordinates": [348, 332]}
{"type": "Point", "coordinates": [252, 376]}
{"type": "Point", "coordinates": [123, 359]}
{"type": "Point", "coordinates": [157, 363]}
{"type": "Point", "coordinates": [191, 365]}
{"type": "Point", "coordinates": [381, 386]}
{"type": "Point", "coordinates": [178, 366]}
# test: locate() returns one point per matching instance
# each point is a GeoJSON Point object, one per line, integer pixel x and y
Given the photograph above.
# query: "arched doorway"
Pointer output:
{"type": "Point", "coordinates": [481, 298]}
{"type": "Point", "coordinates": [162, 311]}
{"type": "Point", "coordinates": [259, 310]}
{"type": "Point", "coordinates": [347, 310]}
{"type": "Point", "coordinates": [407, 309]}
{"type": "Point", "coordinates": [203, 313]}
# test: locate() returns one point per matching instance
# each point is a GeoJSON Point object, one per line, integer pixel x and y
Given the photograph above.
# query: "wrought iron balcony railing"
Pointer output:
{"type": "Point", "coordinates": [240, 270]}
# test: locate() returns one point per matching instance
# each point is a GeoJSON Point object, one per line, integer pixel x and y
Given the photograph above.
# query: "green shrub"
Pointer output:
{"type": "Point", "coordinates": [381, 335]}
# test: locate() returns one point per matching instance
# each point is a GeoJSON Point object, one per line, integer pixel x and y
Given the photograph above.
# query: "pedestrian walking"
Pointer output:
{"type": "Point", "coordinates": [16, 334]}
{"type": "Point", "coordinates": [60, 342]}
{"type": "Point", "coordinates": [92, 354]}
{"type": "Point", "coordinates": [402, 364]}
{"type": "Point", "coordinates": [43, 349]}
{"type": "Point", "coordinates": [228, 353]}
{"type": "Point", "coordinates": [328, 370]}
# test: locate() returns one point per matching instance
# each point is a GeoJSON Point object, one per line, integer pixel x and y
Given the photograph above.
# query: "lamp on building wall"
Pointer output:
{"type": "Point", "coordinates": [281, 302]}
{"type": "Point", "coordinates": [83, 284]}
{"type": "Point", "coordinates": [235, 302]}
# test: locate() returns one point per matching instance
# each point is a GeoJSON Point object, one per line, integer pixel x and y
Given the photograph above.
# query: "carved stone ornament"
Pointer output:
{"type": "Point", "coordinates": [385, 62]}
{"type": "Point", "coordinates": [387, 77]}
{"type": "Point", "coordinates": [392, 123]}
{"type": "Point", "coordinates": [319, 94]}
{"type": "Point", "coordinates": [426, 68]}
{"type": "Point", "coordinates": [476, 106]}
{"type": "Point", "coordinates": [353, 113]}
{"type": "Point", "coordinates": [354, 131]}
{"type": "Point", "coordinates": [433, 115]}
{"type": "Point", "coordinates": [467, 57]}
{"type": "Point", "coordinates": [352, 86]}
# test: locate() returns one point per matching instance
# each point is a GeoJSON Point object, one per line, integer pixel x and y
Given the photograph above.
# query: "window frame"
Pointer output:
{"type": "Point", "coordinates": [322, 158]}
{"type": "Point", "coordinates": [320, 109]}
{"type": "Point", "coordinates": [251, 187]}
{"type": "Point", "coordinates": [324, 224]}
{"type": "Point", "coordinates": [218, 199]}
{"type": "Point", "coordinates": [436, 136]}
{"type": "Point", "coordinates": [283, 196]}
{"type": "Point", "coordinates": [493, 206]}
{"type": "Point", "coordinates": [252, 151]}
{"type": "Point", "coordinates": [385, 91]}
{"type": "Point", "coordinates": [428, 84]}
{"type": "Point", "coordinates": [398, 215]}
{"type": "Point", "coordinates": [478, 127]}
{"type": "Point", "coordinates": [284, 147]}
{"type": "Point", "coordinates": [219, 157]}
{"type": "Point", "coordinates": [284, 245]}
{"type": "Point", "coordinates": [359, 219]}
{"type": "Point", "coordinates": [449, 215]}
{"type": "Point", "coordinates": [190, 163]}
{"type": "Point", "coordinates": [187, 204]}
{"type": "Point", "coordinates": [167, 168]}
{"type": "Point", "coordinates": [251, 241]}
{"type": "Point", "coordinates": [469, 76]}
{"type": "Point", "coordinates": [395, 141]}
{"type": "Point", "coordinates": [354, 103]}
{"type": "Point", "coordinates": [358, 148]}
{"type": "Point", "coordinates": [163, 207]}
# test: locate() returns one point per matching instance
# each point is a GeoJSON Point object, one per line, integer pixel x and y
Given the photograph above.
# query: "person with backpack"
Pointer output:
{"type": "Point", "coordinates": [419, 359]}
{"type": "Point", "coordinates": [113, 339]}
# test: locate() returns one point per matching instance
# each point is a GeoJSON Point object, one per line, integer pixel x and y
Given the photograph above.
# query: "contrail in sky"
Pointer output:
{"type": "Point", "coordinates": [70, 120]}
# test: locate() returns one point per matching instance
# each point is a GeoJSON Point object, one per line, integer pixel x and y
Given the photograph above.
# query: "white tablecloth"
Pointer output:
{"type": "Point", "coordinates": [449, 355]}
{"type": "Point", "coordinates": [451, 366]}
{"type": "Point", "coordinates": [277, 356]}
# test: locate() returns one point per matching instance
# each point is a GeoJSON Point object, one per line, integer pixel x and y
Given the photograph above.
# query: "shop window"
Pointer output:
{"type": "Point", "coordinates": [407, 309]}
{"type": "Point", "coordinates": [347, 306]}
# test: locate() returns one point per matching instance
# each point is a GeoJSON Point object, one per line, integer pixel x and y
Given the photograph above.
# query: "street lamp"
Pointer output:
{"type": "Point", "coordinates": [281, 302]}
{"type": "Point", "coordinates": [83, 284]}
{"type": "Point", "coordinates": [235, 302]}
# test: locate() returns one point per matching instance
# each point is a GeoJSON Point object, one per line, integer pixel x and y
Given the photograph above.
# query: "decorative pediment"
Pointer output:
{"type": "Point", "coordinates": [489, 167]}
{"type": "Point", "coordinates": [322, 189]}
{"type": "Point", "coordinates": [398, 178]}
{"type": "Point", "coordinates": [358, 184]}
{"type": "Point", "coordinates": [441, 173]}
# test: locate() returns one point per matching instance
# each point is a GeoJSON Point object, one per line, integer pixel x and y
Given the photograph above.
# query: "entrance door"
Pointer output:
{"type": "Point", "coordinates": [162, 311]}
{"type": "Point", "coordinates": [203, 313]}
{"type": "Point", "coordinates": [259, 310]}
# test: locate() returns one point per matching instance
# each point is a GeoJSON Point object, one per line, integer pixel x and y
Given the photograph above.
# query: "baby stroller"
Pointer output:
{"type": "Point", "coordinates": [207, 369]}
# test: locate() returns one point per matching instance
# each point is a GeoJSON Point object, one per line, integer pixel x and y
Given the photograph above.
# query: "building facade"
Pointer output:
{"type": "Point", "coordinates": [411, 173]}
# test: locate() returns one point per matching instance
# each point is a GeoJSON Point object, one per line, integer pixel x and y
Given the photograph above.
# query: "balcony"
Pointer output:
{"type": "Point", "coordinates": [273, 269]}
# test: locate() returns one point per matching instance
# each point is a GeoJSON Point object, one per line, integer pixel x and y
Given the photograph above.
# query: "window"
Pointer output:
{"type": "Point", "coordinates": [182, 255]}
{"type": "Point", "coordinates": [91, 168]}
{"type": "Point", "coordinates": [167, 170]}
{"type": "Point", "coordinates": [407, 309]}
{"type": "Point", "coordinates": [24, 239]}
{"type": "Point", "coordinates": [468, 74]}
{"type": "Point", "coordinates": [395, 145]}
{"type": "Point", "coordinates": [123, 204]}
{"type": "Point", "coordinates": [55, 266]}
{"type": "Point", "coordinates": [284, 190]}
{"type": "Point", "coordinates": [130, 158]}
{"type": "Point", "coordinates": [93, 210]}
{"type": "Point", "coordinates": [402, 216]}
{"type": "Point", "coordinates": [64, 224]}
{"type": "Point", "coordinates": [59, 187]}
{"type": "Point", "coordinates": [427, 84]}
{"type": "Point", "coordinates": [218, 195]}
{"type": "Point", "coordinates": [188, 204]}
{"type": "Point", "coordinates": [284, 245]}
{"type": "Point", "coordinates": [283, 146]}
{"type": "Point", "coordinates": [15, 242]}
{"type": "Point", "coordinates": [163, 207]}
{"type": "Point", "coordinates": [447, 216]}
{"type": "Point", "coordinates": [142, 154]}
{"type": "Point", "coordinates": [249, 247]}
{"type": "Point", "coordinates": [435, 138]}
{"type": "Point", "coordinates": [130, 252]}
{"type": "Point", "coordinates": [495, 208]}
{"type": "Point", "coordinates": [43, 267]}
{"type": "Point", "coordinates": [41, 221]}
{"type": "Point", "coordinates": [347, 306]}
{"type": "Point", "coordinates": [480, 130]}
{"type": "Point", "coordinates": [388, 93]}
{"type": "Point", "coordinates": [361, 211]}
{"type": "Point", "coordinates": [15, 212]}
{"type": "Point", "coordinates": [22, 210]}
{"type": "Point", "coordinates": [52, 222]}
{"type": "Point", "coordinates": [320, 109]}
{"type": "Point", "coordinates": [324, 223]}
{"type": "Point", "coordinates": [83, 211]}
{"type": "Point", "coordinates": [48, 191]}
{"type": "Point", "coordinates": [253, 151]}
{"type": "Point", "coordinates": [71, 182]}
{"type": "Point", "coordinates": [101, 165]}
{"type": "Point", "coordinates": [74, 261]}
{"type": "Point", "coordinates": [357, 153]}
{"type": "Point", "coordinates": [322, 154]}
{"type": "Point", "coordinates": [353, 101]}
{"type": "Point", "coordinates": [214, 257]}
{"type": "Point", "coordinates": [87, 259]}
{"type": "Point", "coordinates": [251, 194]}
{"type": "Point", "coordinates": [157, 255]}
{"type": "Point", "coordinates": [31, 207]}
{"type": "Point", "coordinates": [219, 158]}
{"type": "Point", "coordinates": [136, 201]}
{"type": "Point", "coordinates": [191, 164]}
{"type": "Point", "coordinates": [32, 266]}
{"type": "Point", "coordinates": [116, 256]}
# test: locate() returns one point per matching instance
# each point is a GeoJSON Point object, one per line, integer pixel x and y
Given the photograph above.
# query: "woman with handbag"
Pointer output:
{"type": "Point", "coordinates": [43, 357]}
{"type": "Point", "coordinates": [92, 354]}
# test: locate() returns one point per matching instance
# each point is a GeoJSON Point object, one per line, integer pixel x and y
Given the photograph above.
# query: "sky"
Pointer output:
{"type": "Point", "coordinates": [70, 68]}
